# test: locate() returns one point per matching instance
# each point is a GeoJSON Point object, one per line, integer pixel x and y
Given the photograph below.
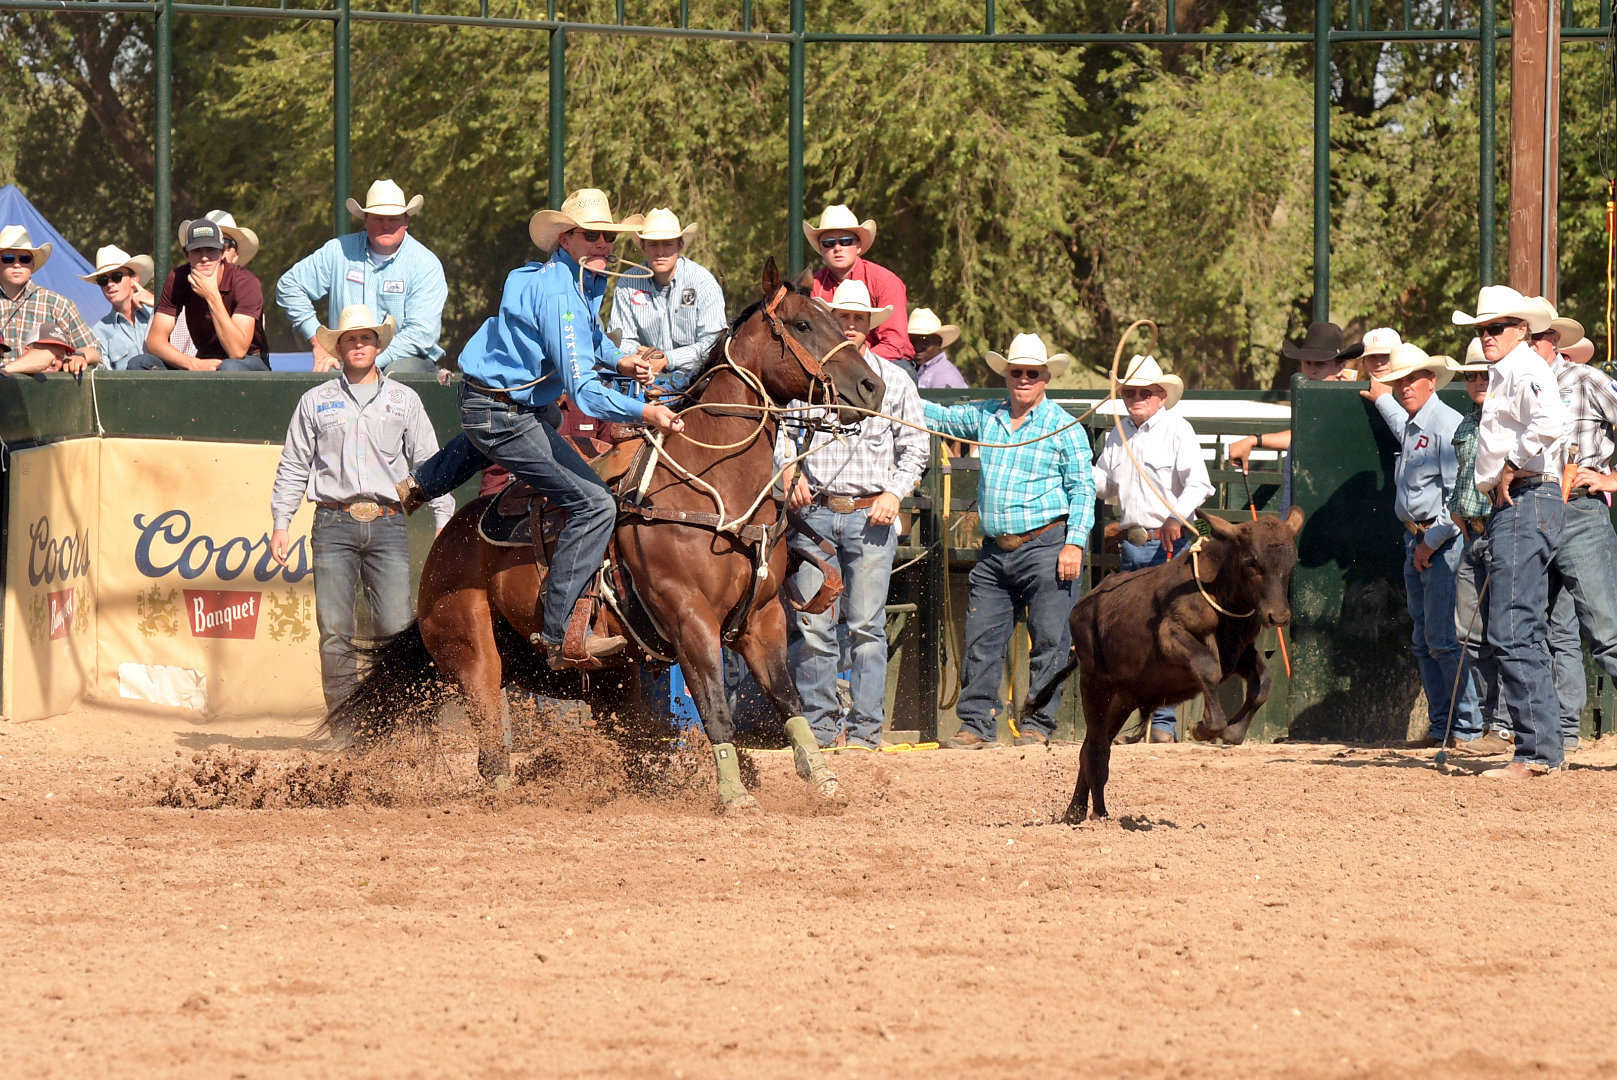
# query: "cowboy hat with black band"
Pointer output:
{"type": "Point", "coordinates": [1321, 345]}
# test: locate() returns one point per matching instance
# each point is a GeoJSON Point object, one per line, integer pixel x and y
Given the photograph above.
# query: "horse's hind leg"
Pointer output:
{"type": "Point", "coordinates": [700, 660]}
{"type": "Point", "coordinates": [464, 646]}
{"type": "Point", "coordinates": [763, 646]}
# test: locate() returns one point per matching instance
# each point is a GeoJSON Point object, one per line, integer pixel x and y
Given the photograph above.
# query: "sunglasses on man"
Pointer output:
{"type": "Point", "coordinates": [10, 257]}
{"type": "Point", "coordinates": [112, 277]}
{"type": "Point", "coordinates": [1496, 328]}
{"type": "Point", "coordinates": [593, 236]}
{"type": "Point", "coordinates": [830, 243]}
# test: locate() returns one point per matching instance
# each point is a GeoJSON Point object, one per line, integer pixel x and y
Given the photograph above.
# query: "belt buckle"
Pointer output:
{"type": "Point", "coordinates": [1137, 534]}
{"type": "Point", "coordinates": [365, 510]}
{"type": "Point", "coordinates": [1008, 541]}
{"type": "Point", "coordinates": [840, 504]}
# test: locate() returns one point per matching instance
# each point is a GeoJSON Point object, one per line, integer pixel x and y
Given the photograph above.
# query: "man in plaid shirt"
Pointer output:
{"type": "Point", "coordinates": [25, 308]}
{"type": "Point", "coordinates": [847, 489]}
{"type": "Point", "coordinates": [1036, 502]}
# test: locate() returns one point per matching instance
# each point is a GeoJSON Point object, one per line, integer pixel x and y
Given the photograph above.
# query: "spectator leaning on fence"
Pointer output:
{"type": "Point", "coordinates": [675, 317]}
{"type": "Point", "coordinates": [848, 489]}
{"type": "Point", "coordinates": [1425, 476]}
{"type": "Point", "coordinates": [1520, 446]}
{"type": "Point", "coordinates": [929, 337]}
{"type": "Point", "coordinates": [349, 442]}
{"type": "Point", "coordinates": [1036, 501]}
{"type": "Point", "coordinates": [382, 267]}
{"type": "Point", "coordinates": [25, 308]}
{"type": "Point", "coordinates": [223, 305]}
{"type": "Point", "coordinates": [1378, 346]}
{"type": "Point", "coordinates": [241, 247]}
{"type": "Point", "coordinates": [1164, 481]}
{"type": "Point", "coordinates": [842, 240]}
{"type": "Point", "coordinates": [121, 333]}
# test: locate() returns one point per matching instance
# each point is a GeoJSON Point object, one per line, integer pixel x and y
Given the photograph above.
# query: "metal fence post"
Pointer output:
{"type": "Point", "coordinates": [558, 117]}
{"type": "Point", "coordinates": [1488, 59]}
{"type": "Point", "coordinates": [162, 140]}
{"type": "Point", "coordinates": [339, 117]}
{"type": "Point", "coordinates": [794, 150]}
{"type": "Point", "coordinates": [1322, 160]}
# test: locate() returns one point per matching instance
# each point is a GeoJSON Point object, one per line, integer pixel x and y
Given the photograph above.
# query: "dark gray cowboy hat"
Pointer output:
{"type": "Point", "coordinates": [1323, 342]}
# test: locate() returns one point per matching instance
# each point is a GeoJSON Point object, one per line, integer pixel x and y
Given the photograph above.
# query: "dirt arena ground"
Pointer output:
{"type": "Point", "coordinates": [1288, 910]}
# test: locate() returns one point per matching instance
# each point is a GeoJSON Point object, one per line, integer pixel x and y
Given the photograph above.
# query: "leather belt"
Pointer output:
{"type": "Point", "coordinates": [1417, 529]}
{"type": "Point", "coordinates": [1580, 492]}
{"type": "Point", "coordinates": [846, 504]}
{"type": "Point", "coordinates": [1532, 480]}
{"type": "Point", "coordinates": [1012, 541]}
{"type": "Point", "coordinates": [363, 510]}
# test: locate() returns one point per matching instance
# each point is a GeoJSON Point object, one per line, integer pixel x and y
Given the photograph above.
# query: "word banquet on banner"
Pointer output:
{"type": "Point", "coordinates": [218, 613]}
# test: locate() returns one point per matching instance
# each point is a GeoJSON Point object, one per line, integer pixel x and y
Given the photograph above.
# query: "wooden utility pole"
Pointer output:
{"type": "Point", "coordinates": [1535, 124]}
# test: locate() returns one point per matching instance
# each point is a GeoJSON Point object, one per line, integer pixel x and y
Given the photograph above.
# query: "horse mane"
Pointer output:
{"type": "Point", "coordinates": [717, 351]}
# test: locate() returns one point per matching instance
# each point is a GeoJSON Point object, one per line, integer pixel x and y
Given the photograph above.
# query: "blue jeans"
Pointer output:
{"type": "Point", "coordinates": [449, 468]}
{"type": "Point", "coordinates": [1522, 540]}
{"type": "Point", "coordinates": [514, 436]}
{"type": "Point", "coordinates": [1138, 557]}
{"type": "Point", "coordinates": [1586, 561]}
{"type": "Point", "coordinates": [412, 364]}
{"type": "Point", "coordinates": [1002, 583]}
{"type": "Point", "coordinates": [1566, 660]}
{"type": "Point", "coordinates": [350, 555]}
{"type": "Point", "coordinates": [250, 362]}
{"type": "Point", "coordinates": [1430, 597]}
{"type": "Point", "coordinates": [1471, 626]}
{"type": "Point", "coordinates": [865, 559]}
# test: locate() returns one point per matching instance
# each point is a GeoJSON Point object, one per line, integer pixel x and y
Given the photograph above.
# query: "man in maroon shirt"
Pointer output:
{"type": "Point", "coordinates": [842, 240]}
{"type": "Point", "coordinates": [223, 305]}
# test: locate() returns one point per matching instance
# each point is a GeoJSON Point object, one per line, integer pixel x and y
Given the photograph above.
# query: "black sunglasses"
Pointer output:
{"type": "Point", "coordinates": [593, 236]}
{"type": "Point", "coordinates": [26, 258]}
{"type": "Point", "coordinates": [1494, 329]}
{"type": "Point", "coordinates": [829, 242]}
{"type": "Point", "coordinates": [112, 277]}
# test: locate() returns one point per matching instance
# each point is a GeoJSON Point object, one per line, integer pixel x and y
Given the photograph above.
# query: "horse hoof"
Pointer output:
{"type": "Point", "coordinates": [740, 805]}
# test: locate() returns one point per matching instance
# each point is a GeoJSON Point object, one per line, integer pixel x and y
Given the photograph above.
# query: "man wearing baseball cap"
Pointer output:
{"type": "Point", "coordinates": [381, 267]}
{"type": "Point", "coordinates": [223, 304]}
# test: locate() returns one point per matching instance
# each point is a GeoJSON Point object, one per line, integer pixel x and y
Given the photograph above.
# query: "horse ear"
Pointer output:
{"type": "Point", "coordinates": [771, 281]}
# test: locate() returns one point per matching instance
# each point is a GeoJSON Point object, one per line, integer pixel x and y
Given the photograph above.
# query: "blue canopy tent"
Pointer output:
{"type": "Point", "coordinates": [61, 273]}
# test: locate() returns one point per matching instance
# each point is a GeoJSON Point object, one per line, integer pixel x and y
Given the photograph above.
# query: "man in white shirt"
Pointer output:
{"type": "Point", "coordinates": [1521, 442]}
{"type": "Point", "coordinates": [1170, 469]}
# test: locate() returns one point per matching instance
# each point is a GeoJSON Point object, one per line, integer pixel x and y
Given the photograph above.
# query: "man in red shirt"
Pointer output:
{"type": "Point", "coordinates": [223, 305]}
{"type": "Point", "coordinates": [842, 240]}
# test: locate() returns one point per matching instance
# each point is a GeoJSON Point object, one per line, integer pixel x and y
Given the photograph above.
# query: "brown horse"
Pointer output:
{"type": "Point", "coordinates": [706, 555]}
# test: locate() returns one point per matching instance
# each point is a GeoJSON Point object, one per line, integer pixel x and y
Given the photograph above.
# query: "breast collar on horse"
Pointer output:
{"type": "Point", "coordinates": [753, 539]}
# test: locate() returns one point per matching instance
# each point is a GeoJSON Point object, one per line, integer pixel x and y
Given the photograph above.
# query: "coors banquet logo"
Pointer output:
{"type": "Point", "coordinates": [167, 545]}
{"type": "Point", "coordinates": [62, 565]}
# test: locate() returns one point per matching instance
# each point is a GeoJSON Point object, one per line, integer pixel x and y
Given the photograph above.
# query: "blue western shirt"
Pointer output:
{"type": "Point", "coordinates": [408, 285]}
{"type": "Point", "coordinates": [546, 333]}
{"type": "Point", "coordinates": [1025, 487]}
{"type": "Point", "coordinates": [121, 340]}
{"type": "Point", "coordinates": [683, 318]}
{"type": "Point", "coordinates": [1427, 469]}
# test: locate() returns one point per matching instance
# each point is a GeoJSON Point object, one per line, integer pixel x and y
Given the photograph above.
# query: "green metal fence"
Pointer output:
{"type": "Point", "coordinates": [1361, 22]}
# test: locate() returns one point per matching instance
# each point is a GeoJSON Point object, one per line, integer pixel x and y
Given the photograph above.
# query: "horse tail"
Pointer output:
{"type": "Point", "coordinates": [401, 687]}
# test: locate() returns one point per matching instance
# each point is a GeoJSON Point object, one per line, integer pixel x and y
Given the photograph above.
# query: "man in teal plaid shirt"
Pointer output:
{"type": "Point", "coordinates": [1036, 502]}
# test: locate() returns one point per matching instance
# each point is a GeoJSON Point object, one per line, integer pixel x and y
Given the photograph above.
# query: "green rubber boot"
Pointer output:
{"type": "Point", "coordinates": [733, 794]}
{"type": "Point", "coordinates": [810, 763]}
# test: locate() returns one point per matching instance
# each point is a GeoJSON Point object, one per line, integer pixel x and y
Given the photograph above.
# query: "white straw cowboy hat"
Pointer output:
{"type": "Point", "coordinates": [1145, 371]}
{"type": "Point", "coordinates": [1496, 302]}
{"type": "Point", "coordinates": [246, 239]}
{"type": "Point", "coordinates": [112, 258]}
{"type": "Point", "coordinates": [659, 223]}
{"type": "Point", "coordinates": [1029, 351]}
{"type": "Point", "coordinates": [1580, 351]}
{"type": "Point", "coordinates": [840, 219]}
{"type": "Point", "coordinates": [586, 208]}
{"type": "Point", "coordinates": [356, 317]}
{"type": "Point", "coordinates": [924, 322]}
{"type": "Point", "coordinates": [386, 198]}
{"type": "Point", "coordinates": [1408, 359]}
{"type": "Point", "coordinates": [1474, 360]}
{"type": "Point", "coordinates": [1381, 341]}
{"type": "Point", "coordinates": [1566, 329]}
{"type": "Point", "coordinates": [15, 238]}
{"type": "Point", "coordinates": [852, 295]}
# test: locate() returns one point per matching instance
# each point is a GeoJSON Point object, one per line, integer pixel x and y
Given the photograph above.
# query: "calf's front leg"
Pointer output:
{"type": "Point", "coordinates": [1259, 682]}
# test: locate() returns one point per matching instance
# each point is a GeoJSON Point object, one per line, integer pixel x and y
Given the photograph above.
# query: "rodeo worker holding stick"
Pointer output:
{"type": "Point", "coordinates": [1164, 445]}
{"type": "Point", "coordinates": [350, 440]}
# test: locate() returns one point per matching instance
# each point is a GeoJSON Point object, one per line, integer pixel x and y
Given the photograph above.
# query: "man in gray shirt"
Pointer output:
{"type": "Point", "coordinates": [677, 313]}
{"type": "Point", "coordinates": [351, 440]}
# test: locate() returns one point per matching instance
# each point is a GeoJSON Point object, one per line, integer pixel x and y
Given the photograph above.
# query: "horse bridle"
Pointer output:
{"type": "Point", "coordinates": [813, 366]}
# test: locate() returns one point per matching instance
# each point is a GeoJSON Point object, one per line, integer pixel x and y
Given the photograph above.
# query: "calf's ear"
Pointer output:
{"type": "Point", "coordinates": [1221, 528]}
{"type": "Point", "coordinates": [1294, 520]}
